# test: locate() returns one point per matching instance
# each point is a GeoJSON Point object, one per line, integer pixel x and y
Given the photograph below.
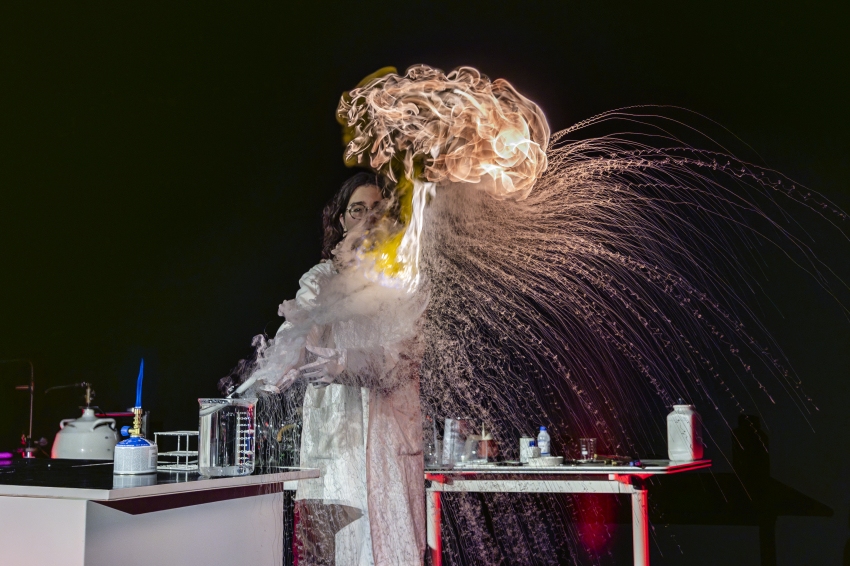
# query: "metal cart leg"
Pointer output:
{"type": "Point", "coordinates": [640, 527]}
{"type": "Point", "coordinates": [433, 510]}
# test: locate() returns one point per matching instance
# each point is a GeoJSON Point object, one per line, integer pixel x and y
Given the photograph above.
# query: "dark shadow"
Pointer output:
{"type": "Point", "coordinates": [748, 497]}
{"type": "Point", "coordinates": [846, 560]}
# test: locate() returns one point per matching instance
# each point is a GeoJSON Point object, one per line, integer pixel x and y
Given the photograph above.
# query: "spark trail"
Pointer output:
{"type": "Point", "coordinates": [588, 287]}
{"type": "Point", "coordinates": [583, 280]}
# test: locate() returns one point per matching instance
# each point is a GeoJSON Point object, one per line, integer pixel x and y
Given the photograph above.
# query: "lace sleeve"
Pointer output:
{"type": "Point", "coordinates": [276, 357]}
{"type": "Point", "coordinates": [384, 368]}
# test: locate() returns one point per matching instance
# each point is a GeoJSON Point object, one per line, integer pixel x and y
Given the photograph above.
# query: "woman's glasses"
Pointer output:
{"type": "Point", "coordinates": [358, 211]}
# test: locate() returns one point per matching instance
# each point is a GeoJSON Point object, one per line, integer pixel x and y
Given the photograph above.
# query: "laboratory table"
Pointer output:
{"type": "Point", "coordinates": [566, 478]}
{"type": "Point", "coordinates": [77, 513]}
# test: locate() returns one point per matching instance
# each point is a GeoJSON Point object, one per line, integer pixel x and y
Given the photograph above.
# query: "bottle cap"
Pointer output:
{"type": "Point", "coordinates": [543, 428]}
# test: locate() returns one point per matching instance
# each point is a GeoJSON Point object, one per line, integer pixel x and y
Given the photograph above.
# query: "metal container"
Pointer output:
{"type": "Point", "coordinates": [134, 456]}
{"type": "Point", "coordinates": [226, 437]}
{"type": "Point", "coordinates": [85, 438]}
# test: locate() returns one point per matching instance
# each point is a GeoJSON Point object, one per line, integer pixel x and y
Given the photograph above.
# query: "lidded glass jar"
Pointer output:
{"type": "Point", "coordinates": [684, 433]}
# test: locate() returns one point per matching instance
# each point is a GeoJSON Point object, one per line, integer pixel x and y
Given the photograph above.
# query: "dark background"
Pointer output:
{"type": "Point", "coordinates": [162, 172]}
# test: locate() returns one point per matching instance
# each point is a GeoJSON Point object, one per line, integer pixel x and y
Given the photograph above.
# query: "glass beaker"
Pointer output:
{"type": "Point", "coordinates": [226, 437]}
{"type": "Point", "coordinates": [588, 449]}
{"type": "Point", "coordinates": [463, 446]}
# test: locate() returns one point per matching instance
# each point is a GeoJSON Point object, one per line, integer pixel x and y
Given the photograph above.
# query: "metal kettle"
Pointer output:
{"type": "Point", "coordinates": [85, 438]}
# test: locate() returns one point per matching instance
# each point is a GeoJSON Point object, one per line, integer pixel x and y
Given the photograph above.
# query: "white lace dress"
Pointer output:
{"type": "Point", "coordinates": [363, 431]}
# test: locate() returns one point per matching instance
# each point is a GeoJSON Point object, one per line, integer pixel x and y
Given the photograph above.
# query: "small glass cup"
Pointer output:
{"type": "Point", "coordinates": [433, 453]}
{"type": "Point", "coordinates": [588, 449]}
{"type": "Point", "coordinates": [455, 433]}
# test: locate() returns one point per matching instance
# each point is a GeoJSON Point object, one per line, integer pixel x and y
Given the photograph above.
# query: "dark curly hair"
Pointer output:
{"type": "Point", "coordinates": [331, 226]}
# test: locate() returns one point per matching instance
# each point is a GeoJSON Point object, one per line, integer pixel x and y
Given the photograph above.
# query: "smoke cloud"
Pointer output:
{"type": "Point", "coordinates": [458, 127]}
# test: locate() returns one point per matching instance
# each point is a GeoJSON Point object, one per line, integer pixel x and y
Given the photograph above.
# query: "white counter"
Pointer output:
{"type": "Point", "coordinates": [74, 513]}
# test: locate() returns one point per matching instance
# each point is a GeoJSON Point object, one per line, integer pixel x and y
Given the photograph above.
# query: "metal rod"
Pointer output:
{"type": "Point", "coordinates": [433, 511]}
{"type": "Point", "coordinates": [31, 388]}
{"type": "Point", "coordinates": [32, 394]}
{"type": "Point", "coordinates": [55, 387]}
{"type": "Point", "coordinates": [640, 528]}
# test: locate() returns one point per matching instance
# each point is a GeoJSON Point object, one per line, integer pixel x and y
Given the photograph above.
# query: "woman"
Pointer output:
{"type": "Point", "coordinates": [357, 343]}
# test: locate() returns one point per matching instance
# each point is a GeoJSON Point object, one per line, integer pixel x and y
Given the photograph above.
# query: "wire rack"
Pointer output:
{"type": "Point", "coordinates": [183, 459]}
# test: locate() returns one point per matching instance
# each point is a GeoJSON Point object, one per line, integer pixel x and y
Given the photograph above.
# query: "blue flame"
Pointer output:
{"type": "Point", "coordinates": [139, 384]}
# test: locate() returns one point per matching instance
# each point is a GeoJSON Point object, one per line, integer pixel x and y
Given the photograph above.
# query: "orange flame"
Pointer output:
{"type": "Point", "coordinates": [459, 127]}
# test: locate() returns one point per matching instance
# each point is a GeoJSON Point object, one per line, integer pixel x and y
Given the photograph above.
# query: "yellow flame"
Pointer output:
{"type": "Point", "coordinates": [426, 128]}
{"type": "Point", "coordinates": [383, 254]}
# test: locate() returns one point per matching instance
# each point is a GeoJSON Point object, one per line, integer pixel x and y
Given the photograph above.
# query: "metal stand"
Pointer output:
{"type": "Point", "coordinates": [433, 520]}
{"type": "Point", "coordinates": [29, 446]}
{"type": "Point", "coordinates": [564, 479]}
{"type": "Point", "coordinates": [181, 460]}
{"type": "Point", "coordinates": [640, 527]}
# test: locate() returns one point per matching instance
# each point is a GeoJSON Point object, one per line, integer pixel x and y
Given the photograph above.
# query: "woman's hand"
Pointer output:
{"type": "Point", "coordinates": [328, 365]}
{"type": "Point", "coordinates": [288, 380]}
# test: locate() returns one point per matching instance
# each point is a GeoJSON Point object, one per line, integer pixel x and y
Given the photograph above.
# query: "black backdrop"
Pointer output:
{"type": "Point", "coordinates": [162, 171]}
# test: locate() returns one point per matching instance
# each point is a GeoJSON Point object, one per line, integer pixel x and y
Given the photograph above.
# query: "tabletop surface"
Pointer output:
{"type": "Point", "coordinates": [647, 468]}
{"type": "Point", "coordinates": [94, 480]}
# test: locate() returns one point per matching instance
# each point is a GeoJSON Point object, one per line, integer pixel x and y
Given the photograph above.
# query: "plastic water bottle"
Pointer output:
{"type": "Point", "coordinates": [544, 442]}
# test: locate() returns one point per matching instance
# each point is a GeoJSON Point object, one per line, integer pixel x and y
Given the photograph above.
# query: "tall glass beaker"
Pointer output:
{"type": "Point", "coordinates": [226, 439]}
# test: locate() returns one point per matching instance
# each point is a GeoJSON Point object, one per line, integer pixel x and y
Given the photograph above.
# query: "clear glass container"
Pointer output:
{"type": "Point", "coordinates": [226, 437]}
{"type": "Point", "coordinates": [588, 449]}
